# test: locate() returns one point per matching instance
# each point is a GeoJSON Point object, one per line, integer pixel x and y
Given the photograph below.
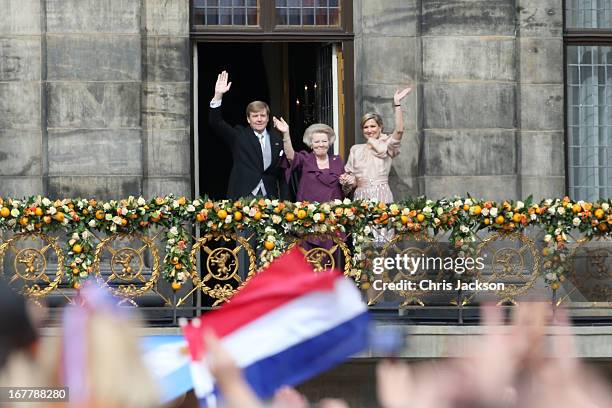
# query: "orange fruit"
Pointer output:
{"type": "Point", "coordinates": [466, 207]}
{"type": "Point", "coordinates": [420, 217]}
{"type": "Point", "coordinates": [603, 227]}
{"type": "Point", "coordinates": [222, 214]}
{"type": "Point", "coordinates": [237, 215]}
{"type": "Point", "coordinates": [38, 211]}
{"type": "Point", "coordinates": [487, 221]}
{"type": "Point", "coordinates": [5, 212]}
{"type": "Point", "coordinates": [176, 285]}
{"type": "Point", "coordinates": [77, 249]}
{"type": "Point", "coordinates": [181, 201]}
{"type": "Point", "coordinates": [99, 215]}
{"type": "Point", "coordinates": [47, 219]}
{"type": "Point", "coordinates": [516, 217]}
{"type": "Point", "coordinates": [404, 219]}
{"type": "Point", "coordinates": [555, 285]}
{"type": "Point", "coordinates": [208, 205]}
{"type": "Point", "coordinates": [269, 245]}
{"type": "Point", "coordinates": [59, 216]}
{"type": "Point", "coordinates": [599, 213]}
{"type": "Point", "coordinates": [289, 217]}
{"type": "Point", "coordinates": [200, 217]}
{"type": "Point", "coordinates": [576, 208]}
{"type": "Point", "coordinates": [178, 266]}
{"type": "Point", "coordinates": [302, 214]}
{"type": "Point", "coordinates": [476, 210]}
{"type": "Point", "coordinates": [24, 221]}
{"type": "Point", "coordinates": [257, 216]}
{"type": "Point", "coordinates": [322, 217]}
{"type": "Point", "coordinates": [499, 220]}
{"type": "Point", "coordinates": [76, 285]}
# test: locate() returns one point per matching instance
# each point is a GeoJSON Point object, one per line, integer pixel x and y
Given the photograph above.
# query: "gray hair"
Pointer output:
{"type": "Point", "coordinates": [318, 128]}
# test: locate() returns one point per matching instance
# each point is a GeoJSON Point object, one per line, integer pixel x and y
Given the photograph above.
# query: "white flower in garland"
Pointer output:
{"type": "Point", "coordinates": [439, 211]}
{"type": "Point", "coordinates": [533, 217]}
{"type": "Point", "coordinates": [576, 221]}
{"type": "Point", "coordinates": [547, 238]}
{"type": "Point", "coordinates": [427, 210]}
{"type": "Point", "coordinates": [605, 206]}
{"type": "Point", "coordinates": [468, 201]}
{"type": "Point", "coordinates": [190, 208]}
{"type": "Point", "coordinates": [108, 217]}
{"type": "Point", "coordinates": [520, 204]}
{"type": "Point", "coordinates": [464, 229]}
{"type": "Point", "coordinates": [493, 212]}
{"type": "Point", "coordinates": [106, 206]}
{"type": "Point", "coordinates": [552, 210]}
{"type": "Point", "coordinates": [174, 231]}
{"type": "Point", "coordinates": [46, 202]}
{"type": "Point", "coordinates": [92, 223]}
{"type": "Point", "coordinates": [141, 201]}
{"type": "Point", "coordinates": [561, 210]}
{"type": "Point", "coordinates": [276, 219]}
{"type": "Point", "coordinates": [15, 212]}
{"type": "Point", "coordinates": [118, 220]}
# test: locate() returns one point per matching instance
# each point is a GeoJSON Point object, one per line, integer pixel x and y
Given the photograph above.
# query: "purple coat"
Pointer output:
{"type": "Point", "coordinates": [316, 184]}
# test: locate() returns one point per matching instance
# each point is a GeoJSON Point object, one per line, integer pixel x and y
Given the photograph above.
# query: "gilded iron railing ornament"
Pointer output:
{"type": "Point", "coordinates": [221, 279]}
{"type": "Point", "coordinates": [127, 265]}
{"type": "Point", "coordinates": [589, 266]}
{"type": "Point", "coordinates": [321, 258]}
{"type": "Point", "coordinates": [29, 264]}
{"type": "Point", "coordinates": [390, 249]}
{"type": "Point", "coordinates": [508, 265]}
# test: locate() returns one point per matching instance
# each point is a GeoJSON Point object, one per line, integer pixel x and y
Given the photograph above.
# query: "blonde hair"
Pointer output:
{"type": "Point", "coordinates": [319, 128]}
{"type": "Point", "coordinates": [257, 106]}
{"type": "Point", "coordinates": [372, 115]}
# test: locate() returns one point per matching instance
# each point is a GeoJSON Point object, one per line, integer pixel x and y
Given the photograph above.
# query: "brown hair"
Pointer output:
{"type": "Point", "coordinates": [257, 106]}
{"type": "Point", "coordinates": [371, 115]}
{"type": "Point", "coordinates": [318, 128]}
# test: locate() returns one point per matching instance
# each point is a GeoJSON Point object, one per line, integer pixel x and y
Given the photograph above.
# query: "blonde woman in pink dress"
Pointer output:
{"type": "Point", "coordinates": [368, 165]}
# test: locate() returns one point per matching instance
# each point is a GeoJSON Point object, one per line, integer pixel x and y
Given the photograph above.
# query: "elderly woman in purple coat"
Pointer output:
{"type": "Point", "coordinates": [321, 171]}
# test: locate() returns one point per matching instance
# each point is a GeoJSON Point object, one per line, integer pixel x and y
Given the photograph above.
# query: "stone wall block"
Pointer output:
{"type": "Point", "coordinates": [541, 187]}
{"type": "Point", "coordinates": [468, 17]}
{"type": "Point", "coordinates": [20, 153]}
{"type": "Point", "coordinates": [167, 17]}
{"type": "Point", "coordinates": [389, 60]}
{"type": "Point", "coordinates": [12, 186]}
{"type": "Point", "coordinates": [161, 186]}
{"type": "Point", "coordinates": [19, 17]}
{"type": "Point", "coordinates": [20, 105]}
{"type": "Point", "coordinates": [20, 59]}
{"type": "Point", "coordinates": [166, 106]}
{"type": "Point", "coordinates": [93, 105]}
{"type": "Point", "coordinates": [93, 16]}
{"type": "Point", "coordinates": [542, 153]}
{"type": "Point", "coordinates": [542, 107]}
{"type": "Point", "coordinates": [477, 58]}
{"type": "Point", "coordinates": [98, 187]}
{"type": "Point", "coordinates": [93, 152]}
{"type": "Point", "coordinates": [469, 152]}
{"type": "Point", "coordinates": [390, 17]}
{"type": "Point", "coordinates": [94, 57]}
{"type": "Point", "coordinates": [168, 152]}
{"type": "Point", "coordinates": [540, 18]}
{"type": "Point", "coordinates": [492, 187]}
{"type": "Point", "coordinates": [470, 105]}
{"type": "Point", "coordinates": [167, 59]}
{"type": "Point", "coordinates": [541, 60]}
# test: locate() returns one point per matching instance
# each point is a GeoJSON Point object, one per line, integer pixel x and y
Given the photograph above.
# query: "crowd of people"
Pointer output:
{"type": "Point", "coordinates": [529, 363]}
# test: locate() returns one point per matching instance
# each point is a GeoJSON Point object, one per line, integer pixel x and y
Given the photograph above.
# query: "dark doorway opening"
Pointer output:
{"type": "Point", "coordinates": [295, 79]}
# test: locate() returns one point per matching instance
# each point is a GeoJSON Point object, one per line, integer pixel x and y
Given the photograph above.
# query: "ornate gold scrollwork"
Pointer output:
{"type": "Point", "coordinates": [589, 271]}
{"type": "Point", "coordinates": [127, 265]}
{"type": "Point", "coordinates": [222, 266]}
{"type": "Point", "coordinates": [509, 265]}
{"type": "Point", "coordinates": [30, 263]}
{"type": "Point", "coordinates": [323, 259]}
{"type": "Point", "coordinates": [398, 276]}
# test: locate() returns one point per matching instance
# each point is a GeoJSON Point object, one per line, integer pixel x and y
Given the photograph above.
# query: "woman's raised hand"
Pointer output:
{"type": "Point", "coordinates": [222, 86]}
{"type": "Point", "coordinates": [401, 94]}
{"type": "Point", "coordinates": [280, 124]}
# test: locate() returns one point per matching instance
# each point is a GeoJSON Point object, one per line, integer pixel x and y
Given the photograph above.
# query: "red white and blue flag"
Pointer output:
{"type": "Point", "coordinates": [285, 326]}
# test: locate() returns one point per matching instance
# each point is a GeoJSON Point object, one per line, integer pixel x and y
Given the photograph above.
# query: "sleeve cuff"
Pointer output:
{"type": "Point", "coordinates": [215, 103]}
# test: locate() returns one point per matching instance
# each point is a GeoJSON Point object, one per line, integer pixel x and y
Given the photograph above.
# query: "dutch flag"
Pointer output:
{"type": "Point", "coordinates": [285, 326]}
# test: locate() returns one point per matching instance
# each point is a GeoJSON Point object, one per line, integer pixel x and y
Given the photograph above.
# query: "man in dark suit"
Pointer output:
{"type": "Point", "coordinates": [256, 151]}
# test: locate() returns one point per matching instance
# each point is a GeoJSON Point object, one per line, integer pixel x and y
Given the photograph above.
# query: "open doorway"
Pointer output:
{"type": "Point", "coordinates": [299, 81]}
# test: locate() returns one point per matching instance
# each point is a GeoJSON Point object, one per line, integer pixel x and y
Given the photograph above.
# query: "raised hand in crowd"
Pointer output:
{"type": "Point", "coordinates": [222, 86]}
{"type": "Point", "coordinates": [236, 392]}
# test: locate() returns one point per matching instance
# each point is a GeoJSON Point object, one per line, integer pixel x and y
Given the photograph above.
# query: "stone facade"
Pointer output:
{"type": "Point", "coordinates": [95, 96]}
{"type": "Point", "coordinates": [487, 114]}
